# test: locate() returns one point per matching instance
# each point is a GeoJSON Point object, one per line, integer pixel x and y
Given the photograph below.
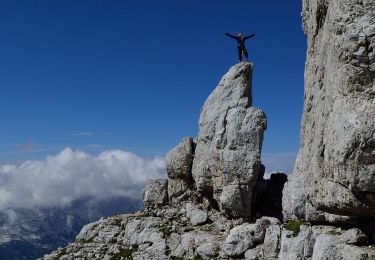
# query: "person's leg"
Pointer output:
{"type": "Point", "coordinates": [246, 54]}
{"type": "Point", "coordinates": [239, 49]}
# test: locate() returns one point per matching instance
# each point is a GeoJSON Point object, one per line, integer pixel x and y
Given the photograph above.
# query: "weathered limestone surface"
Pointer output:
{"type": "Point", "coordinates": [155, 193]}
{"type": "Point", "coordinates": [179, 162]}
{"type": "Point", "coordinates": [227, 155]}
{"type": "Point", "coordinates": [246, 236]}
{"type": "Point", "coordinates": [337, 245]}
{"type": "Point", "coordinates": [335, 168]}
{"type": "Point", "coordinates": [171, 236]}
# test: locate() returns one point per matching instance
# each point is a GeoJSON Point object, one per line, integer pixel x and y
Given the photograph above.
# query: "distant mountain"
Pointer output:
{"type": "Point", "coordinates": [31, 233]}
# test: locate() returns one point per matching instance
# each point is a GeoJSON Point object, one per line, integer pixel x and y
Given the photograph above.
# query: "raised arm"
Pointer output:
{"type": "Point", "coordinates": [248, 37]}
{"type": "Point", "coordinates": [230, 35]}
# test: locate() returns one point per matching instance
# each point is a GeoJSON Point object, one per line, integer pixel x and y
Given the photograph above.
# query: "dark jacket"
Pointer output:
{"type": "Point", "coordinates": [240, 40]}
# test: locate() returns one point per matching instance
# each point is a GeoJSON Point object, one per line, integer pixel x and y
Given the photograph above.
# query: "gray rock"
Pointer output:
{"type": "Point", "coordinates": [155, 193]}
{"type": "Point", "coordinates": [352, 252]}
{"type": "Point", "coordinates": [294, 199]}
{"type": "Point", "coordinates": [335, 168]}
{"type": "Point", "coordinates": [272, 241]}
{"type": "Point", "coordinates": [133, 235]}
{"type": "Point", "coordinates": [196, 215]}
{"type": "Point", "coordinates": [227, 155]}
{"type": "Point", "coordinates": [245, 236]}
{"type": "Point", "coordinates": [255, 253]}
{"type": "Point", "coordinates": [353, 236]}
{"type": "Point", "coordinates": [179, 162]}
{"type": "Point", "coordinates": [240, 239]}
{"type": "Point", "coordinates": [338, 245]}
{"type": "Point", "coordinates": [209, 250]}
{"type": "Point", "coordinates": [235, 200]}
{"type": "Point", "coordinates": [292, 248]}
{"type": "Point", "coordinates": [301, 245]}
{"type": "Point", "coordinates": [327, 247]}
{"type": "Point", "coordinates": [185, 245]}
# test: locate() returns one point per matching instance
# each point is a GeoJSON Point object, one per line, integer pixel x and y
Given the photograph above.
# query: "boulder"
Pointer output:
{"type": "Point", "coordinates": [186, 246]}
{"type": "Point", "coordinates": [327, 247]}
{"type": "Point", "coordinates": [196, 215]}
{"type": "Point", "coordinates": [255, 253]}
{"type": "Point", "coordinates": [299, 244]}
{"type": "Point", "coordinates": [155, 193]}
{"type": "Point", "coordinates": [227, 155]}
{"type": "Point", "coordinates": [353, 252]}
{"type": "Point", "coordinates": [178, 163]}
{"type": "Point", "coordinates": [337, 244]}
{"type": "Point", "coordinates": [179, 160]}
{"type": "Point", "coordinates": [246, 236]}
{"type": "Point", "coordinates": [272, 241]}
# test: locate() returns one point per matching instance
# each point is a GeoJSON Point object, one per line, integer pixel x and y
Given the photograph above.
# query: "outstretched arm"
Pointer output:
{"type": "Point", "coordinates": [230, 35]}
{"type": "Point", "coordinates": [250, 36]}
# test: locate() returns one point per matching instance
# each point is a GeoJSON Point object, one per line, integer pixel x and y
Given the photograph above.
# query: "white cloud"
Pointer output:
{"type": "Point", "coordinates": [73, 174]}
{"type": "Point", "coordinates": [279, 162]}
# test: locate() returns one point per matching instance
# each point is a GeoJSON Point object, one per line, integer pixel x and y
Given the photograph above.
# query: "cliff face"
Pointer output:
{"type": "Point", "coordinates": [335, 168]}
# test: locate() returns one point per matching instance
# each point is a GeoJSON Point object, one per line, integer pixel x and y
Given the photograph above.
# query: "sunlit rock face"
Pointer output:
{"type": "Point", "coordinates": [335, 168]}
{"type": "Point", "coordinates": [229, 143]}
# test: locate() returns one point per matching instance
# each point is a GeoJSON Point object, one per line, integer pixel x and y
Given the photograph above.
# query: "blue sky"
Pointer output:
{"type": "Point", "coordinates": [133, 75]}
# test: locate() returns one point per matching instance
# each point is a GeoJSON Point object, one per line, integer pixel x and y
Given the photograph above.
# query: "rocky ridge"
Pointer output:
{"type": "Point", "coordinates": [215, 203]}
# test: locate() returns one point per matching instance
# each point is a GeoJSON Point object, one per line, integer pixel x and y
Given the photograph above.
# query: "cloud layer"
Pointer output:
{"type": "Point", "coordinates": [72, 174]}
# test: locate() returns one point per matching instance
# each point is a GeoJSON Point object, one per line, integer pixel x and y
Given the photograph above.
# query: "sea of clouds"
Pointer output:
{"type": "Point", "coordinates": [58, 180]}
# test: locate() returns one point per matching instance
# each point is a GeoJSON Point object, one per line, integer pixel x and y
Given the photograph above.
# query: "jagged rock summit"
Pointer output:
{"type": "Point", "coordinates": [221, 167]}
{"type": "Point", "coordinates": [227, 156]}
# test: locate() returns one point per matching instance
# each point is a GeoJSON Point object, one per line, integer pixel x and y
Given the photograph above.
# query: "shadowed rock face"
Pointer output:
{"type": "Point", "coordinates": [335, 168]}
{"type": "Point", "coordinates": [268, 194]}
{"type": "Point", "coordinates": [227, 154]}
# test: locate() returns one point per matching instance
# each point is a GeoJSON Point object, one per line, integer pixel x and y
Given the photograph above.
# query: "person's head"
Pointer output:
{"type": "Point", "coordinates": [240, 35]}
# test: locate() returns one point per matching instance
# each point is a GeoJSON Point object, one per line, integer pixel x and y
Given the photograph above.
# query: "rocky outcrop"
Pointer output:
{"type": "Point", "coordinates": [204, 210]}
{"type": "Point", "coordinates": [199, 210]}
{"type": "Point", "coordinates": [216, 204]}
{"type": "Point", "coordinates": [155, 193]}
{"type": "Point", "coordinates": [227, 154]}
{"type": "Point", "coordinates": [179, 162]}
{"type": "Point", "coordinates": [335, 168]}
{"type": "Point", "coordinates": [168, 234]}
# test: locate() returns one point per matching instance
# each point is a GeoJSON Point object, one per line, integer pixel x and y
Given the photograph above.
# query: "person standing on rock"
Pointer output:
{"type": "Point", "coordinates": [241, 44]}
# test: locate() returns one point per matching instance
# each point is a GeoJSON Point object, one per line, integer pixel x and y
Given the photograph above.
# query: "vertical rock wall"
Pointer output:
{"type": "Point", "coordinates": [335, 167]}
